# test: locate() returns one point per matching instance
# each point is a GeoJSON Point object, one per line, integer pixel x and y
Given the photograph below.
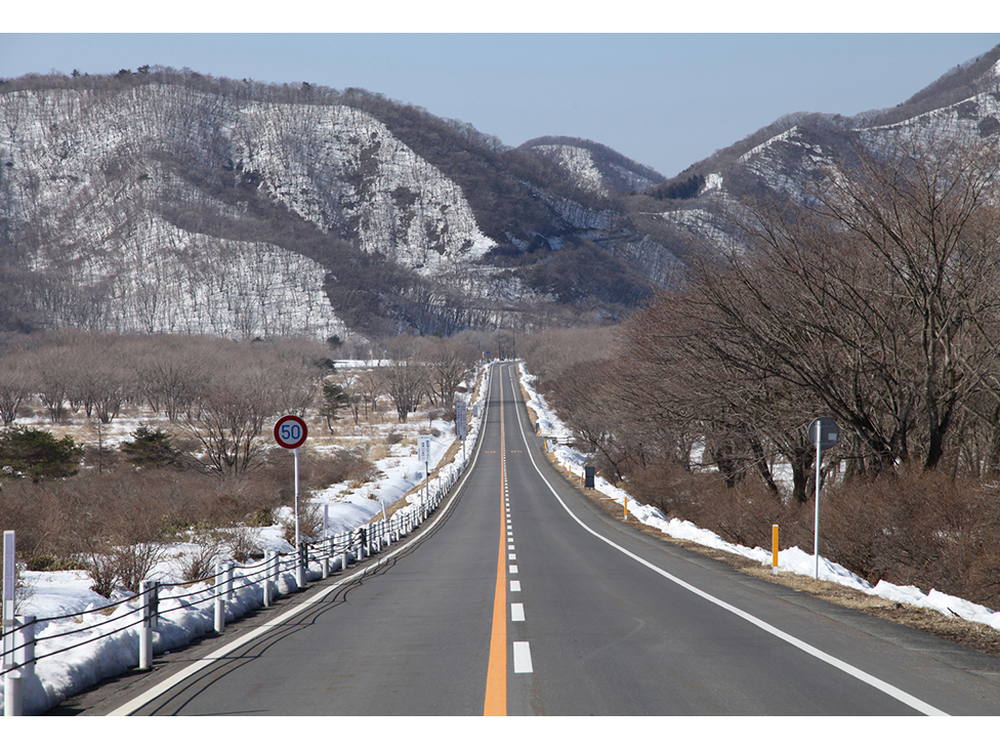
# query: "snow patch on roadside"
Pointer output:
{"type": "Point", "coordinates": [400, 472]}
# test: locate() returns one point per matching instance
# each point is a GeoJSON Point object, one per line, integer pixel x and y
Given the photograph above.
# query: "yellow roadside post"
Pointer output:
{"type": "Point", "coordinates": [774, 548]}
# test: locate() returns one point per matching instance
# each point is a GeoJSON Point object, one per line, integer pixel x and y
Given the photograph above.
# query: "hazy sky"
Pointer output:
{"type": "Point", "coordinates": [666, 100]}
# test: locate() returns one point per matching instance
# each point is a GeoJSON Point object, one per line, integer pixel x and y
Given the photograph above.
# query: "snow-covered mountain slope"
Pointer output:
{"type": "Point", "coordinates": [594, 167]}
{"type": "Point", "coordinates": [172, 201]}
{"type": "Point", "coordinates": [785, 159]}
{"type": "Point", "coordinates": [166, 200]}
{"type": "Point", "coordinates": [339, 167]}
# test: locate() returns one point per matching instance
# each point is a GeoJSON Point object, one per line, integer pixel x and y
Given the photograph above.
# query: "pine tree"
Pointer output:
{"type": "Point", "coordinates": [38, 454]}
{"type": "Point", "coordinates": [334, 399]}
{"type": "Point", "coordinates": [151, 448]}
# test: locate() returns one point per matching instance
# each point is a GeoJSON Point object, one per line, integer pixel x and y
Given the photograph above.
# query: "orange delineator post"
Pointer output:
{"type": "Point", "coordinates": [774, 548]}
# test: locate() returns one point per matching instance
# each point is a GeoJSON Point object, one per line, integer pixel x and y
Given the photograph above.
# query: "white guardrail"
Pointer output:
{"type": "Point", "coordinates": [25, 642]}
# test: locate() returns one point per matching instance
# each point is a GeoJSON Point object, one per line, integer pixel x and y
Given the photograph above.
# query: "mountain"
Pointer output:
{"type": "Point", "coordinates": [164, 200]}
{"type": "Point", "coordinates": [160, 200]}
{"type": "Point", "coordinates": [593, 166]}
{"type": "Point", "coordinates": [779, 160]}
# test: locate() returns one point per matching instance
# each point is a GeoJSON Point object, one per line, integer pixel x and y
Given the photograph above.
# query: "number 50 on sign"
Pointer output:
{"type": "Point", "coordinates": [290, 432]}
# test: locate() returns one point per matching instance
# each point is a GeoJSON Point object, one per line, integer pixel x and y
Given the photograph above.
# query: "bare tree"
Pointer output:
{"type": "Point", "coordinates": [15, 386]}
{"type": "Point", "coordinates": [232, 413]}
{"type": "Point", "coordinates": [405, 382]}
{"type": "Point", "coordinates": [876, 303]}
{"type": "Point", "coordinates": [370, 385]}
{"type": "Point", "coordinates": [450, 363]}
{"type": "Point", "coordinates": [172, 382]}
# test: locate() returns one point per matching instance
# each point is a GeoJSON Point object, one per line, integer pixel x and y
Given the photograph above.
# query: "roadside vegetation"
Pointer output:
{"type": "Point", "coordinates": [115, 446]}
{"type": "Point", "coordinates": [877, 305]}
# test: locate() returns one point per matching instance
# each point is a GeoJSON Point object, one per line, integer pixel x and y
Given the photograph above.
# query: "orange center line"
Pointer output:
{"type": "Point", "coordinates": [495, 703]}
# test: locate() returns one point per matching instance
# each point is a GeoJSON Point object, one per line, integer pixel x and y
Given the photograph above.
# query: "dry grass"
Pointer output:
{"type": "Point", "coordinates": [376, 451]}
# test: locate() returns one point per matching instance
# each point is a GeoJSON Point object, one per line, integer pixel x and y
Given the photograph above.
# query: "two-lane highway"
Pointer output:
{"type": "Point", "coordinates": [525, 599]}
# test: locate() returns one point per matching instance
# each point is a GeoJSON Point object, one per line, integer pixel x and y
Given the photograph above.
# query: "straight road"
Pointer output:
{"type": "Point", "coordinates": [526, 599]}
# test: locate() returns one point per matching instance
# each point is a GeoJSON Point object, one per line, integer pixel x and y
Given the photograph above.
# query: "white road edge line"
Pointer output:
{"type": "Point", "coordinates": [891, 690]}
{"type": "Point", "coordinates": [522, 657]}
{"type": "Point", "coordinates": [159, 689]}
{"type": "Point", "coordinates": [516, 612]}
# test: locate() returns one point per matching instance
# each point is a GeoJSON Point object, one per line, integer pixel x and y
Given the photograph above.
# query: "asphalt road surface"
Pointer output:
{"type": "Point", "coordinates": [523, 598]}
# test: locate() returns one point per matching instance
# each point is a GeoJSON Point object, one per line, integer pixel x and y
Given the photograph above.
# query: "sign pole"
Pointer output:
{"type": "Point", "coordinates": [825, 433]}
{"type": "Point", "coordinates": [298, 540]}
{"type": "Point", "coordinates": [424, 454]}
{"type": "Point", "coordinates": [461, 410]}
{"type": "Point", "coordinates": [819, 454]}
{"type": "Point", "coordinates": [290, 432]}
{"type": "Point", "coordinates": [385, 518]}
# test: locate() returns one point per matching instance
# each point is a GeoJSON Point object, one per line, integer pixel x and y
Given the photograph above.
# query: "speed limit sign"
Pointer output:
{"type": "Point", "coordinates": [290, 432]}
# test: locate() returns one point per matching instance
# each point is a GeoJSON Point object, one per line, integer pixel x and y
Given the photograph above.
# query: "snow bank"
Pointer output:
{"type": "Point", "coordinates": [793, 559]}
{"type": "Point", "coordinates": [347, 508]}
{"type": "Point", "coordinates": [103, 642]}
{"type": "Point", "coordinates": [351, 364]}
{"type": "Point", "coordinates": [400, 472]}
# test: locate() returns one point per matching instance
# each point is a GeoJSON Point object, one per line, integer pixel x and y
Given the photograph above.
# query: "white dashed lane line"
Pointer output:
{"type": "Point", "coordinates": [513, 569]}
{"type": "Point", "coordinates": [515, 585]}
{"type": "Point", "coordinates": [516, 612]}
{"type": "Point", "coordinates": [522, 657]}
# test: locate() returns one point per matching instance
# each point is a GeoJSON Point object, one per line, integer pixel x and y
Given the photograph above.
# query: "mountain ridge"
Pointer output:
{"type": "Point", "coordinates": [170, 200]}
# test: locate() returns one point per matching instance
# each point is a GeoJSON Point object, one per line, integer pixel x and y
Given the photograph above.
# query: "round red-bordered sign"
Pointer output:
{"type": "Point", "coordinates": [290, 432]}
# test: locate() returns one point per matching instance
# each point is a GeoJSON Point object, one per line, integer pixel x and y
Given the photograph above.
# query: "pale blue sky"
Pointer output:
{"type": "Point", "coordinates": [666, 100]}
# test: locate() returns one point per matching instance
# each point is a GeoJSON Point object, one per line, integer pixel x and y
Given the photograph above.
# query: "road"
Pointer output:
{"type": "Point", "coordinates": [523, 598]}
